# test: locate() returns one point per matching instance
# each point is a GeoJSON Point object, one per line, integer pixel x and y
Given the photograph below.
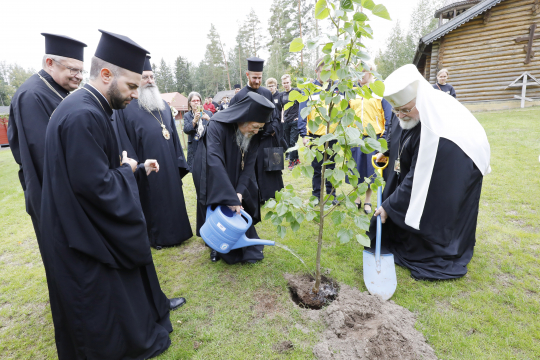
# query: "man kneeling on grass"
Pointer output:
{"type": "Point", "coordinates": [438, 156]}
{"type": "Point", "coordinates": [224, 168]}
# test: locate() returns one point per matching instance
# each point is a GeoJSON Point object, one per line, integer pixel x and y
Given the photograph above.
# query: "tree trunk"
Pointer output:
{"type": "Point", "coordinates": [240, 67]}
{"type": "Point", "coordinates": [300, 27]}
{"type": "Point", "coordinates": [225, 61]}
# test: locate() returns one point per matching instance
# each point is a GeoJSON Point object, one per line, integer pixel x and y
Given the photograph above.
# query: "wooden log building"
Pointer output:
{"type": "Point", "coordinates": [485, 45]}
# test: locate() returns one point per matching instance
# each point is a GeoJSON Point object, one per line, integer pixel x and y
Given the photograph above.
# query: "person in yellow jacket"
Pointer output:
{"type": "Point", "coordinates": [307, 134]}
{"type": "Point", "coordinates": [378, 113]}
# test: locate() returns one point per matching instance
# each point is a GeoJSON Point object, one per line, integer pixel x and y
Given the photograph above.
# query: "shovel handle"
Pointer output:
{"type": "Point", "coordinates": [379, 230]}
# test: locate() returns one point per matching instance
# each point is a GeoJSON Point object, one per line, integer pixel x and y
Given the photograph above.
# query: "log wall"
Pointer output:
{"type": "Point", "coordinates": [483, 58]}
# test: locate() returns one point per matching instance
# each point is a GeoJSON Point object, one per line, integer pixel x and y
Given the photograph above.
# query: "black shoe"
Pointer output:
{"type": "Point", "coordinates": [214, 256]}
{"type": "Point", "coordinates": [175, 303]}
{"type": "Point", "coordinates": [367, 211]}
{"type": "Point", "coordinates": [158, 247]}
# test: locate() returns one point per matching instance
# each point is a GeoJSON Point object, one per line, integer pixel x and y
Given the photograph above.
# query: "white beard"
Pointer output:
{"type": "Point", "coordinates": [242, 140]}
{"type": "Point", "coordinates": [407, 125]}
{"type": "Point", "coordinates": [149, 98]}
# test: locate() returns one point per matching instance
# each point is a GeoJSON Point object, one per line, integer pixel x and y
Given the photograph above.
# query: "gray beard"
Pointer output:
{"type": "Point", "coordinates": [150, 98]}
{"type": "Point", "coordinates": [407, 125]}
{"type": "Point", "coordinates": [242, 141]}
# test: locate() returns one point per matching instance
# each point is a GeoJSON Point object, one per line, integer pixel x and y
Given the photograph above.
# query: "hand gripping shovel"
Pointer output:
{"type": "Point", "coordinates": [379, 270]}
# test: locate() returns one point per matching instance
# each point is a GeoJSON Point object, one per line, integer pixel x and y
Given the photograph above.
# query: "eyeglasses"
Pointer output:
{"type": "Point", "coordinates": [146, 77]}
{"type": "Point", "coordinates": [404, 112]}
{"type": "Point", "coordinates": [72, 71]}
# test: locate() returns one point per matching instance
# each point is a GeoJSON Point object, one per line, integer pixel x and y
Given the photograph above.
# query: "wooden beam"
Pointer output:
{"type": "Point", "coordinates": [487, 16]}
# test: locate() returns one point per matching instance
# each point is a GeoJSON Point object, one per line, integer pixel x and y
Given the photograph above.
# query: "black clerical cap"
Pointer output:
{"type": "Point", "coordinates": [65, 46]}
{"type": "Point", "coordinates": [237, 86]}
{"type": "Point", "coordinates": [255, 64]}
{"type": "Point", "coordinates": [121, 51]}
{"type": "Point", "coordinates": [253, 107]}
{"type": "Point", "coordinates": [147, 66]}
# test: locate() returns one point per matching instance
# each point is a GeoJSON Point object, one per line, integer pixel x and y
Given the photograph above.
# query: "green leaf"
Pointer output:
{"type": "Point", "coordinates": [327, 49]}
{"type": "Point", "coordinates": [326, 138]}
{"type": "Point", "coordinates": [363, 240]}
{"type": "Point", "coordinates": [288, 105]}
{"type": "Point", "coordinates": [268, 215]}
{"type": "Point", "coordinates": [344, 236]}
{"type": "Point", "coordinates": [305, 112]}
{"type": "Point", "coordinates": [321, 10]}
{"type": "Point", "coordinates": [270, 204]}
{"type": "Point", "coordinates": [352, 133]}
{"type": "Point", "coordinates": [319, 156]}
{"type": "Point", "coordinates": [310, 215]}
{"type": "Point", "coordinates": [313, 43]}
{"type": "Point", "coordinates": [337, 217]}
{"type": "Point", "coordinates": [296, 45]}
{"type": "Point", "coordinates": [368, 4]}
{"type": "Point", "coordinates": [276, 220]}
{"type": "Point", "coordinates": [362, 222]}
{"type": "Point", "coordinates": [295, 226]}
{"type": "Point", "coordinates": [281, 209]}
{"type": "Point", "coordinates": [313, 127]}
{"type": "Point", "coordinates": [349, 27]}
{"type": "Point", "coordinates": [384, 144]}
{"type": "Point", "coordinates": [339, 174]}
{"type": "Point", "coordinates": [373, 187]}
{"type": "Point", "coordinates": [380, 11]}
{"type": "Point", "coordinates": [377, 87]}
{"type": "Point", "coordinates": [346, 4]}
{"type": "Point", "coordinates": [371, 131]}
{"type": "Point", "coordinates": [297, 202]}
{"type": "Point", "coordinates": [360, 17]}
{"type": "Point", "coordinates": [294, 95]}
{"type": "Point", "coordinates": [374, 144]}
{"type": "Point", "coordinates": [282, 231]}
{"type": "Point", "coordinates": [325, 75]}
{"type": "Point", "coordinates": [296, 172]}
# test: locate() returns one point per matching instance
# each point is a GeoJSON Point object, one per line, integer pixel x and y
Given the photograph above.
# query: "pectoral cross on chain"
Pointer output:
{"type": "Point", "coordinates": [529, 47]}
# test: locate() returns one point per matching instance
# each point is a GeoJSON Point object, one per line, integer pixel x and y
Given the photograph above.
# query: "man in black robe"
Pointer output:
{"type": "Point", "coordinates": [224, 167]}
{"type": "Point", "coordinates": [268, 181]}
{"type": "Point", "coordinates": [92, 223]}
{"type": "Point", "coordinates": [31, 107]}
{"type": "Point", "coordinates": [146, 130]}
{"type": "Point", "coordinates": [431, 198]}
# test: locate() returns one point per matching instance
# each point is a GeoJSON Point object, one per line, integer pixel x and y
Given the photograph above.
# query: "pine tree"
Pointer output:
{"type": "Point", "coordinates": [182, 79]}
{"type": "Point", "coordinates": [164, 78]}
{"type": "Point", "coordinates": [215, 75]}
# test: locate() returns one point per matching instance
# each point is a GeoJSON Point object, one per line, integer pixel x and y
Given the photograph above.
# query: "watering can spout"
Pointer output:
{"type": "Point", "coordinates": [245, 241]}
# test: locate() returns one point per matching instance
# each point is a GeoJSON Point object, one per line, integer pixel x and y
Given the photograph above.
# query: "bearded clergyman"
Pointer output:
{"type": "Point", "coordinates": [92, 223]}
{"type": "Point", "coordinates": [431, 198]}
{"type": "Point", "coordinates": [224, 167]}
{"type": "Point", "coordinates": [147, 130]}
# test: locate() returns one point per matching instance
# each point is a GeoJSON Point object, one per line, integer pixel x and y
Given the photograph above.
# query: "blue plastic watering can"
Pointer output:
{"type": "Point", "coordinates": [224, 230]}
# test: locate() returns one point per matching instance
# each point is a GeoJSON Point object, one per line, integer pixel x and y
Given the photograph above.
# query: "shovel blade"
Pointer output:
{"type": "Point", "coordinates": [383, 283]}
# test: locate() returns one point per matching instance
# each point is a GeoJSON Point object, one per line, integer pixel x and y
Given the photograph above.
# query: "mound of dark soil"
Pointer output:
{"type": "Point", "coordinates": [363, 326]}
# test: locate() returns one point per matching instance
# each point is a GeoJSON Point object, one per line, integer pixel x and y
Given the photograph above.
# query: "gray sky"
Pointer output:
{"type": "Point", "coordinates": [165, 28]}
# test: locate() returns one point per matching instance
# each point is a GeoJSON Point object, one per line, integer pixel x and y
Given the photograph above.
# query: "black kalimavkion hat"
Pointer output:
{"type": "Point", "coordinates": [65, 46]}
{"type": "Point", "coordinates": [121, 51]}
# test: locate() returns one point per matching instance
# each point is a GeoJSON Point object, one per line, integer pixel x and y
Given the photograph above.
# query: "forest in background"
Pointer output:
{"type": "Point", "coordinates": [220, 68]}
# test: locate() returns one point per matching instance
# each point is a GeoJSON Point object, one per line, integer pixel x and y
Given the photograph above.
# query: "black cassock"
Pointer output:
{"type": "Point", "coordinates": [268, 181]}
{"type": "Point", "coordinates": [94, 234]}
{"type": "Point", "coordinates": [218, 177]}
{"type": "Point", "coordinates": [29, 113]}
{"type": "Point", "coordinates": [444, 245]}
{"type": "Point", "coordinates": [162, 198]}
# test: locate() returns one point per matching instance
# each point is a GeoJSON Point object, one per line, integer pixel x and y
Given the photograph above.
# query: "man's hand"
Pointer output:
{"type": "Point", "coordinates": [295, 119]}
{"type": "Point", "coordinates": [237, 208]}
{"type": "Point", "coordinates": [381, 158]}
{"type": "Point", "coordinates": [382, 212]}
{"type": "Point", "coordinates": [305, 140]}
{"type": "Point", "coordinates": [130, 161]}
{"type": "Point", "coordinates": [151, 165]}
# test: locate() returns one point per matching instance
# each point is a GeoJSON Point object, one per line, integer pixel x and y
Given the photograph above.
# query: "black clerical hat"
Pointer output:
{"type": "Point", "coordinates": [253, 107]}
{"type": "Point", "coordinates": [65, 46]}
{"type": "Point", "coordinates": [255, 64]}
{"type": "Point", "coordinates": [147, 66]}
{"type": "Point", "coordinates": [237, 86]}
{"type": "Point", "coordinates": [121, 51]}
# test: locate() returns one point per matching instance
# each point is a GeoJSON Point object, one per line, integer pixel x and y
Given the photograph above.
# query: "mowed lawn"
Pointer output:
{"type": "Point", "coordinates": [244, 311]}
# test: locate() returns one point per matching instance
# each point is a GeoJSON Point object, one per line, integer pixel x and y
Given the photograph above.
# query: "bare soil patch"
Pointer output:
{"type": "Point", "coordinates": [283, 347]}
{"type": "Point", "coordinates": [363, 326]}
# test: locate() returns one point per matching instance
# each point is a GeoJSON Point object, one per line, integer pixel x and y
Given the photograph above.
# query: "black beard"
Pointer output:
{"type": "Point", "coordinates": [117, 101]}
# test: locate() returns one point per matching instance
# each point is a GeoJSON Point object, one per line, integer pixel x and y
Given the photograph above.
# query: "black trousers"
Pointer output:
{"type": "Point", "coordinates": [317, 171]}
{"type": "Point", "coordinates": [290, 133]}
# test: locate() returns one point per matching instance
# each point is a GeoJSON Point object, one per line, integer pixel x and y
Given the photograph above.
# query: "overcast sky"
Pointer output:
{"type": "Point", "coordinates": [165, 28]}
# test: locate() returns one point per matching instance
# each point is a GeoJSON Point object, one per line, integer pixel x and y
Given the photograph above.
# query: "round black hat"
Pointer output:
{"type": "Point", "coordinates": [255, 64]}
{"type": "Point", "coordinates": [121, 51]}
{"type": "Point", "coordinates": [237, 86]}
{"type": "Point", "coordinates": [253, 107]}
{"type": "Point", "coordinates": [147, 65]}
{"type": "Point", "coordinates": [65, 46]}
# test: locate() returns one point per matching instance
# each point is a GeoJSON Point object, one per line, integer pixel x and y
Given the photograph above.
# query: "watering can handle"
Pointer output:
{"type": "Point", "coordinates": [209, 211]}
{"type": "Point", "coordinates": [246, 215]}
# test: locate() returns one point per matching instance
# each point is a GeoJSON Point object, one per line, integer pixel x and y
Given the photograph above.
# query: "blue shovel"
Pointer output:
{"type": "Point", "coordinates": [379, 270]}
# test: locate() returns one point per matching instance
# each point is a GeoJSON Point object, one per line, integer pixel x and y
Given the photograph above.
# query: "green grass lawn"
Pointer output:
{"type": "Point", "coordinates": [243, 311]}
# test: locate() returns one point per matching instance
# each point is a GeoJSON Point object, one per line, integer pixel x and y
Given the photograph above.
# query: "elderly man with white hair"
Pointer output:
{"type": "Point", "coordinates": [431, 199]}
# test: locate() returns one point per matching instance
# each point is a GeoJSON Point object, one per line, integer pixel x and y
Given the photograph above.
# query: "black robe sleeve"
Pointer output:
{"type": "Point", "coordinates": [182, 163]}
{"type": "Point", "coordinates": [109, 197]}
